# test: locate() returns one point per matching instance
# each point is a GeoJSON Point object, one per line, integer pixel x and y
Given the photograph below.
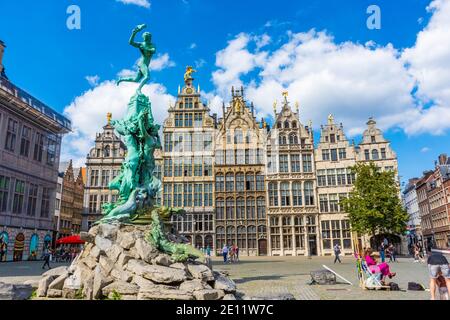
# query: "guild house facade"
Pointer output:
{"type": "Point", "coordinates": [268, 189]}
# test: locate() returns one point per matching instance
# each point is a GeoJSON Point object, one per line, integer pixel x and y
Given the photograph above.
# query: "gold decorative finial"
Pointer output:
{"type": "Point", "coordinates": [108, 117]}
{"type": "Point", "coordinates": [330, 119]}
{"type": "Point", "coordinates": [189, 71]}
{"type": "Point", "coordinates": [285, 95]}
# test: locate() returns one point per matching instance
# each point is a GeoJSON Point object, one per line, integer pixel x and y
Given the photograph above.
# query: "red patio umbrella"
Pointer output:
{"type": "Point", "coordinates": [70, 240]}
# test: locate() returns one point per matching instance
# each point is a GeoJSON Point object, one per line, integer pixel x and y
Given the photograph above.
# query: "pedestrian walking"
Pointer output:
{"type": "Point", "coordinates": [208, 256]}
{"type": "Point", "coordinates": [337, 252]}
{"type": "Point", "coordinates": [225, 253]}
{"type": "Point", "coordinates": [391, 253]}
{"type": "Point", "coordinates": [382, 252]}
{"type": "Point", "coordinates": [46, 259]}
{"type": "Point", "coordinates": [438, 265]}
{"type": "Point", "coordinates": [237, 253]}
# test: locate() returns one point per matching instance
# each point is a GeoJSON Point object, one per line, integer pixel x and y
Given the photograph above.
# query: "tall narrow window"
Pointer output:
{"type": "Point", "coordinates": [383, 153]}
{"type": "Point", "coordinates": [261, 207]}
{"type": "Point", "coordinates": [323, 202]}
{"type": "Point", "coordinates": [240, 182]}
{"type": "Point", "coordinates": [284, 163]}
{"type": "Point", "coordinates": [4, 192]}
{"type": "Point", "coordinates": [25, 141]}
{"type": "Point", "coordinates": [259, 181]}
{"type": "Point", "coordinates": [273, 194]}
{"type": "Point", "coordinates": [92, 203]}
{"type": "Point", "coordinates": [309, 193]}
{"type": "Point", "coordinates": [168, 143]}
{"type": "Point", "coordinates": [307, 163]}
{"type": "Point", "coordinates": [296, 194]}
{"type": "Point", "coordinates": [251, 208]}
{"type": "Point", "coordinates": [249, 181]}
{"type": "Point", "coordinates": [295, 163]}
{"type": "Point", "coordinates": [45, 203]}
{"type": "Point", "coordinates": [10, 142]}
{"type": "Point", "coordinates": [238, 136]}
{"type": "Point", "coordinates": [375, 154]}
{"type": "Point", "coordinates": [229, 180]}
{"type": "Point", "coordinates": [230, 208]}
{"type": "Point", "coordinates": [220, 208]}
{"type": "Point", "coordinates": [240, 208]}
{"type": "Point", "coordinates": [198, 194]}
{"type": "Point", "coordinates": [219, 183]}
{"type": "Point", "coordinates": [167, 167]}
{"type": "Point", "coordinates": [187, 195]}
{"type": "Point", "coordinates": [19, 192]}
{"type": "Point", "coordinates": [285, 194]}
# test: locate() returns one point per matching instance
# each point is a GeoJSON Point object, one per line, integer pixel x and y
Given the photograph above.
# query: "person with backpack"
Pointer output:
{"type": "Point", "coordinates": [438, 264]}
{"type": "Point", "coordinates": [337, 252]}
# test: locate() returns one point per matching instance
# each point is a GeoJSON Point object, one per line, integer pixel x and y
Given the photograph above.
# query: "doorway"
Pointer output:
{"type": "Point", "coordinates": [262, 247]}
{"type": "Point", "coordinates": [312, 244]}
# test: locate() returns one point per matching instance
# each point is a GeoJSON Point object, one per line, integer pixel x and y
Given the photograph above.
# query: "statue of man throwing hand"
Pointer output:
{"type": "Point", "coordinates": [147, 51]}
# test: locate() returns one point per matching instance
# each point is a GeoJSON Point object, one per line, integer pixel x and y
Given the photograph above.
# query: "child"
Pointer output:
{"type": "Point", "coordinates": [442, 287]}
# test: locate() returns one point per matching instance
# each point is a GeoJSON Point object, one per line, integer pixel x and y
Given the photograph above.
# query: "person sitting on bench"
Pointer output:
{"type": "Point", "coordinates": [382, 268]}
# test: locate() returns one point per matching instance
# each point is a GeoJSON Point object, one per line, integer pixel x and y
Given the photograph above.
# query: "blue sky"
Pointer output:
{"type": "Point", "coordinates": [233, 42]}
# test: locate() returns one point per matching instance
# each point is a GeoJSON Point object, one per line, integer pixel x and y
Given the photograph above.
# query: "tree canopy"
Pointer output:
{"type": "Point", "coordinates": [374, 205]}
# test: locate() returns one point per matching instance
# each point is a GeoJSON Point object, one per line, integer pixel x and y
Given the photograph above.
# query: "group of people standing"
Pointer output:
{"type": "Point", "coordinates": [387, 249]}
{"type": "Point", "coordinates": [230, 253]}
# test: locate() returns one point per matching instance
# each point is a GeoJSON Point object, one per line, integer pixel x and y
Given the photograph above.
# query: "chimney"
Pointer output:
{"type": "Point", "coordinates": [214, 116]}
{"type": "Point", "coordinates": [2, 50]}
{"type": "Point", "coordinates": [442, 158]}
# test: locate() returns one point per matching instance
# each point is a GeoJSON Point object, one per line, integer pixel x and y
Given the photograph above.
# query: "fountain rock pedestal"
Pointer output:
{"type": "Point", "coordinates": [118, 262]}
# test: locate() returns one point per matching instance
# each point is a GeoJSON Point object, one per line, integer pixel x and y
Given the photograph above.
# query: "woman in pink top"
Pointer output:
{"type": "Point", "coordinates": [383, 267]}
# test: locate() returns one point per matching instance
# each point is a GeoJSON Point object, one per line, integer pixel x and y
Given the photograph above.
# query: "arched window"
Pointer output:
{"type": "Point", "coordinates": [285, 194]}
{"type": "Point", "coordinates": [293, 139]}
{"type": "Point", "coordinates": [250, 208]}
{"type": "Point", "coordinates": [241, 237]}
{"type": "Point", "coordinates": [231, 235]}
{"type": "Point", "coordinates": [375, 154]}
{"type": "Point", "coordinates": [294, 124]}
{"type": "Point", "coordinates": [261, 229]}
{"type": "Point", "coordinates": [198, 241]}
{"type": "Point", "coordinates": [250, 181]}
{"type": "Point", "coordinates": [279, 125]}
{"type": "Point", "coordinates": [220, 207]}
{"type": "Point", "coordinates": [240, 208]}
{"type": "Point", "coordinates": [261, 208]}
{"type": "Point", "coordinates": [220, 238]}
{"type": "Point", "coordinates": [230, 208]}
{"type": "Point", "coordinates": [309, 193]}
{"type": "Point", "coordinates": [220, 182]}
{"type": "Point", "coordinates": [238, 136]}
{"type": "Point", "coordinates": [282, 140]}
{"type": "Point", "coordinates": [107, 152]}
{"type": "Point", "coordinates": [209, 241]}
{"type": "Point", "coordinates": [251, 236]}
{"type": "Point", "coordinates": [240, 182]}
{"type": "Point", "coordinates": [286, 124]}
{"type": "Point", "coordinates": [248, 137]}
{"type": "Point", "coordinates": [229, 182]}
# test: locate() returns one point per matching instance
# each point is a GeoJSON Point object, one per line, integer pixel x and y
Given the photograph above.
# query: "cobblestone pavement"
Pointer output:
{"type": "Point", "coordinates": [260, 276]}
{"type": "Point", "coordinates": [19, 272]}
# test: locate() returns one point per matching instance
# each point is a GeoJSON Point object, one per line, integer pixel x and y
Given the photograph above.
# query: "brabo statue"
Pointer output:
{"type": "Point", "coordinates": [147, 51]}
{"type": "Point", "coordinates": [136, 184]}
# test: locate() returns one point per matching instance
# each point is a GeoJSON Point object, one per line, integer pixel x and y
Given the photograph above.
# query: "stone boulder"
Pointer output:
{"type": "Point", "coordinates": [200, 271]}
{"type": "Point", "coordinates": [158, 274]}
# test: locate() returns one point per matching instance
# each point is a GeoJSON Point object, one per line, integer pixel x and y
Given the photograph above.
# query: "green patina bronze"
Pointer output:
{"type": "Point", "coordinates": [136, 184]}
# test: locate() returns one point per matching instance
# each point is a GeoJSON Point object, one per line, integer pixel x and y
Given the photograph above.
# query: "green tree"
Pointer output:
{"type": "Point", "coordinates": [374, 205]}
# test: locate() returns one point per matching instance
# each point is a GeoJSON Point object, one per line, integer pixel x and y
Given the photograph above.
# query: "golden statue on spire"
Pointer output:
{"type": "Point", "coordinates": [108, 117]}
{"type": "Point", "coordinates": [188, 73]}
{"type": "Point", "coordinates": [285, 95]}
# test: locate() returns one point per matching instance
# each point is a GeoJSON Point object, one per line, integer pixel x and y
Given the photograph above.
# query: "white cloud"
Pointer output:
{"type": "Point", "coordinates": [93, 80]}
{"type": "Point", "coordinates": [140, 3]}
{"type": "Point", "coordinates": [353, 81]}
{"type": "Point", "coordinates": [408, 90]}
{"type": "Point", "coordinates": [161, 62]}
{"type": "Point", "coordinates": [193, 45]}
{"type": "Point", "coordinates": [424, 149]}
{"type": "Point", "coordinates": [88, 113]}
{"type": "Point", "coordinates": [262, 41]}
{"type": "Point", "coordinates": [429, 64]}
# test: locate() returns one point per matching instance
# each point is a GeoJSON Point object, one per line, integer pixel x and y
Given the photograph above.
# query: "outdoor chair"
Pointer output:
{"type": "Point", "coordinates": [367, 279]}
